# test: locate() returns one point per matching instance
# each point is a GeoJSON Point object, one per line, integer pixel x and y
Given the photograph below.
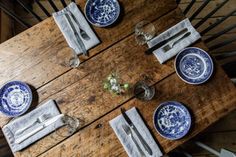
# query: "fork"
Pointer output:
{"type": "Point", "coordinates": [129, 133]}
{"type": "Point", "coordinates": [40, 119]}
{"type": "Point", "coordinates": [83, 34]}
{"type": "Point", "coordinates": [170, 46]}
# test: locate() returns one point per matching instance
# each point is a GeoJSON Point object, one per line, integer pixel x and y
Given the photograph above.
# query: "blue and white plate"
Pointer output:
{"type": "Point", "coordinates": [172, 120]}
{"type": "Point", "coordinates": [102, 13]}
{"type": "Point", "coordinates": [193, 65]}
{"type": "Point", "coordinates": [15, 98]}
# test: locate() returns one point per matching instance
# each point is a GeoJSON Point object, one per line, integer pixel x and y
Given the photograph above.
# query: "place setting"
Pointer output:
{"type": "Point", "coordinates": [25, 127]}
{"type": "Point", "coordinates": [98, 93]}
{"type": "Point", "coordinates": [192, 64]}
{"type": "Point", "coordinates": [76, 29]}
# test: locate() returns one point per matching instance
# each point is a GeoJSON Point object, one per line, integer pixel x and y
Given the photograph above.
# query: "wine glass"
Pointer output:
{"type": "Point", "coordinates": [144, 31]}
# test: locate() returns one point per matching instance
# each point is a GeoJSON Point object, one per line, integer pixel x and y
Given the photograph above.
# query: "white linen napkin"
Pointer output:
{"type": "Point", "coordinates": [127, 142]}
{"type": "Point", "coordinates": [10, 129]}
{"type": "Point", "coordinates": [163, 56]}
{"type": "Point", "coordinates": [65, 28]}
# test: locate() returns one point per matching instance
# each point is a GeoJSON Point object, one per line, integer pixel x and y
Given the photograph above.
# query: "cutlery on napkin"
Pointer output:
{"type": "Point", "coordinates": [27, 126]}
{"type": "Point", "coordinates": [71, 21]}
{"type": "Point", "coordinates": [176, 38]}
{"type": "Point", "coordinates": [39, 128]}
{"type": "Point", "coordinates": [128, 142]}
{"type": "Point", "coordinates": [135, 130]}
{"type": "Point", "coordinates": [40, 119]}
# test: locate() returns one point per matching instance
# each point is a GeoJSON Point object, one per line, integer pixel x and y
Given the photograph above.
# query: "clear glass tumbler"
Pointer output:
{"type": "Point", "coordinates": [144, 31]}
{"type": "Point", "coordinates": [68, 57]}
{"type": "Point", "coordinates": [143, 92]}
{"type": "Point", "coordinates": [71, 125]}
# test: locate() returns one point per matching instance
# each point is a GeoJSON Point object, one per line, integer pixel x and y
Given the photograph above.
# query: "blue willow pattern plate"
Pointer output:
{"type": "Point", "coordinates": [193, 65]}
{"type": "Point", "coordinates": [102, 13]}
{"type": "Point", "coordinates": [15, 98]}
{"type": "Point", "coordinates": [172, 120]}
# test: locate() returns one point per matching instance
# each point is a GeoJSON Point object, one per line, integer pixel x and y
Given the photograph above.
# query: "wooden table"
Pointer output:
{"type": "Point", "coordinates": [30, 57]}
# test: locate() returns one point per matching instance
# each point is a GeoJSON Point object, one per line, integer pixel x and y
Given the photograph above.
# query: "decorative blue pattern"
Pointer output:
{"type": "Point", "coordinates": [194, 65]}
{"type": "Point", "coordinates": [172, 120]}
{"type": "Point", "coordinates": [15, 98]}
{"type": "Point", "coordinates": [102, 13]}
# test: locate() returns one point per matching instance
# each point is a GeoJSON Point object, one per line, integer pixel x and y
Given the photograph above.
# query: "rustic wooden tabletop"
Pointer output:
{"type": "Point", "coordinates": [30, 57]}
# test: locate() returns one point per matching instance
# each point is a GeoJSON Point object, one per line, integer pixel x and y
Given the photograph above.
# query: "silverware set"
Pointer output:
{"type": "Point", "coordinates": [184, 33]}
{"type": "Point", "coordinates": [44, 121]}
{"type": "Point", "coordinates": [130, 129]}
{"type": "Point", "coordinates": [71, 20]}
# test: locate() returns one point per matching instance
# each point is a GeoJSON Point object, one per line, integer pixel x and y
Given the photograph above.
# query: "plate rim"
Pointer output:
{"type": "Point", "coordinates": [31, 98]}
{"type": "Point", "coordinates": [186, 80]}
{"type": "Point", "coordinates": [160, 105]}
{"type": "Point", "coordinates": [96, 24]}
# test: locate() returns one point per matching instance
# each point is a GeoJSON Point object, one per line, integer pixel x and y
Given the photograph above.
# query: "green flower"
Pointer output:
{"type": "Point", "coordinates": [106, 85]}
{"type": "Point", "coordinates": [126, 85]}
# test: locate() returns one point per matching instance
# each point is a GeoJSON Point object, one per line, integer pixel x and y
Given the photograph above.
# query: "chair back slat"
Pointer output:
{"type": "Point", "coordinates": [210, 14]}
{"type": "Point", "coordinates": [28, 9]}
{"type": "Point", "coordinates": [53, 5]}
{"type": "Point", "coordinates": [223, 55]}
{"type": "Point", "coordinates": [220, 33]}
{"type": "Point", "coordinates": [189, 7]}
{"type": "Point", "coordinates": [42, 8]}
{"type": "Point", "coordinates": [178, 1]}
{"type": "Point", "coordinates": [14, 16]}
{"type": "Point", "coordinates": [224, 43]}
{"type": "Point", "coordinates": [217, 23]}
{"type": "Point", "coordinates": [63, 3]}
{"type": "Point", "coordinates": [199, 9]}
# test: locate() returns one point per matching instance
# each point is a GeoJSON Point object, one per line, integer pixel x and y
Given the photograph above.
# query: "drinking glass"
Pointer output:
{"type": "Point", "coordinates": [68, 57]}
{"type": "Point", "coordinates": [143, 92]}
{"type": "Point", "coordinates": [144, 31]}
{"type": "Point", "coordinates": [71, 125]}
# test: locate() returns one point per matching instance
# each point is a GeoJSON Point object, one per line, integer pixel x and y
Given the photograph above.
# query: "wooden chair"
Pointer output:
{"type": "Point", "coordinates": [226, 58]}
{"type": "Point", "coordinates": [28, 8]}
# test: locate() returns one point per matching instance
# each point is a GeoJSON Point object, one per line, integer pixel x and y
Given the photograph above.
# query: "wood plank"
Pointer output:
{"type": "Point", "coordinates": [33, 61]}
{"type": "Point", "coordinates": [205, 106]}
{"type": "Point", "coordinates": [85, 97]}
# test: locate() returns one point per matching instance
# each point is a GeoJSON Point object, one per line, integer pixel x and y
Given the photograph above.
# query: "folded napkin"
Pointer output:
{"type": "Point", "coordinates": [163, 56]}
{"type": "Point", "coordinates": [78, 21]}
{"type": "Point", "coordinates": [10, 129]}
{"type": "Point", "coordinates": [127, 142]}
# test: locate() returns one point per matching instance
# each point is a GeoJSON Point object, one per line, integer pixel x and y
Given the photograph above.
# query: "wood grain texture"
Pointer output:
{"type": "Point", "coordinates": [98, 139]}
{"type": "Point", "coordinates": [34, 62]}
{"type": "Point", "coordinates": [85, 97]}
{"type": "Point", "coordinates": [30, 56]}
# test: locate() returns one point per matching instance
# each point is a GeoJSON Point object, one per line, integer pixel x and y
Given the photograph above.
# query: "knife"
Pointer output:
{"type": "Point", "coordinates": [160, 44]}
{"type": "Point", "coordinates": [79, 40]}
{"type": "Point", "coordinates": [132, 127]}
{"type": "Point", "coordinates": [44, 125]}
